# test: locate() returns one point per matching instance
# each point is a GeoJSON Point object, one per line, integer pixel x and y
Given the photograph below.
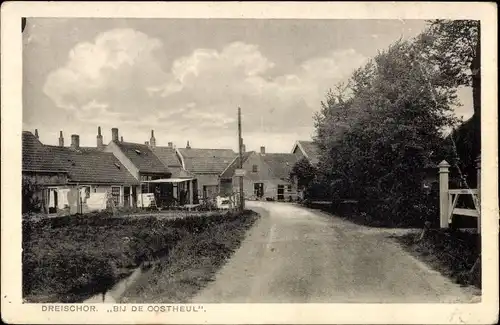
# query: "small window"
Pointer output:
{"type": "Point", "coordinates": [117, 165]}
{"type": "Point", "coordinates": [137, 151]}
{"type": "Point", "coordinates": [255, 169]}
{"type": "Point", "coordinates": [289, 188]}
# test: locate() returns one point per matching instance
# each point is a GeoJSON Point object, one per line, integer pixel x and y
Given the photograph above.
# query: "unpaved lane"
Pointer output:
{"type": "Point", "coordinates": [297, 255]}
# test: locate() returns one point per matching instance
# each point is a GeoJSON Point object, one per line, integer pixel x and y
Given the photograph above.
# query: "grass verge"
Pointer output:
{"type": "Point", "coordinates": [451, 252]}
{"type": "Point", "coordinates": [69, 259]}
{"type": "Point", "coordinates": [192, 263]}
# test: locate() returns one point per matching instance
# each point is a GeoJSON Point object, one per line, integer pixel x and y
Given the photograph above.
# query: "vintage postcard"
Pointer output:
{"type": "Point", "coordinates": [249, 163]}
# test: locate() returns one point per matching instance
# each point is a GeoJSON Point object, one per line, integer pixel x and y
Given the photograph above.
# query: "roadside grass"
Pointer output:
{"type": "Point", "coordinates": [192, 263]}
{"type": "Point", "coordinates": [69, 259]}
{"type": "Point", "coordinates": [452, 252]}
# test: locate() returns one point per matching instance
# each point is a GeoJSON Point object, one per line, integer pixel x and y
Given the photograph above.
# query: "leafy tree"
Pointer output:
{"type": "Point", "coordinates": [304, 172]}
{"type": "Point", "coordinates": [454, 47]}
{"type": "Point", "coordinates": [378, 134]}
{"type": "Point", "coordinates": [31, 190]}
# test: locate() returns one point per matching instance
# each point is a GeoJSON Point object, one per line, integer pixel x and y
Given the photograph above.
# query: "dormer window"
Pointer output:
{"type": "Point", "coordinates": [117, 165]}
{"type": "Point", "coordinates": [137, 151]}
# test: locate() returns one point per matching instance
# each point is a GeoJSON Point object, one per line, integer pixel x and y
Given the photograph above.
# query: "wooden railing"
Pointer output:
{"type": "Point", "coordinates": [448, 198]}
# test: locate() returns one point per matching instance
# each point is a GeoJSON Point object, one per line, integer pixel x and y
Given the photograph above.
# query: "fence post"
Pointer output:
{"type": "Point", "coordinates": [478, 182]}
{"type": "Point", "coordinates": [443, 193]}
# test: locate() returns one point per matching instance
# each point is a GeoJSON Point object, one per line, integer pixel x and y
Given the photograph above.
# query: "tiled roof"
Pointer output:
{"type": "Point", "coordinates": [92, 149]}
{"type": "Point", "coordinates": [311, 151]}
{"type": "Point", "coordinates": [92, 166]}
{"type": "Point", "coordinates": [82, 166]}
{"type": "Point", "coordinates": [142, 157]}
{"type": "Point", "coordinates": [229, 171]}
{"type": "Point", "coordinates": [168, 156]}
{"type": "Point", "coordinates": [178, 172]}
{"type": "Point", "coordinates": [281, 164]}
{"type": "Point", "coordinates": [36, 157]}
{"type": "Point", "coordinates": [212, 161]}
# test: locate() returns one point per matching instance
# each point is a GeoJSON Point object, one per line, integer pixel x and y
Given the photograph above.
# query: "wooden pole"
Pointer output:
{"type": "Point", "coordinates": [242, 197]}
{"type": "Point", "coordinates": [443, 194]}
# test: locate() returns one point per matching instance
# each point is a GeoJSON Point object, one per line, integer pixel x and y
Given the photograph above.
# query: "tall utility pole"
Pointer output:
{"type": "Point", "coordinates": [240, 144]}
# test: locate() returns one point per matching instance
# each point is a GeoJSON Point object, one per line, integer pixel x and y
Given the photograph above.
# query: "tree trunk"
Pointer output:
{"type": "Point", "coordinates": [476, 93]}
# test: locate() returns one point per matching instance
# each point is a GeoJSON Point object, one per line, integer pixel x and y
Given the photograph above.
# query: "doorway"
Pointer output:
{"type": "Point", "coordinates": [281, 192]}
{"type": "Point", "coordinates": [258, 189]}
{"type": "Point", "coordinates": [126, 196]}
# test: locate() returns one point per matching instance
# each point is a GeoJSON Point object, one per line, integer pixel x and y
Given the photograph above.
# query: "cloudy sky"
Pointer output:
{"type": "Point", "coordinates": [185, 78]}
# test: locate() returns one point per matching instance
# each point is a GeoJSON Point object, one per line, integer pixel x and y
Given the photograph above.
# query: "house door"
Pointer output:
{"type": "Point", "coordinates": [258, 189]}
{"type": "Point", "coordinates": [134, 196]}
{"type": "Point", "coordinates": [126, 196]}
{"type": "Point", "coordinates": [281, 192]}
{"type": "Point", "coordinates": [53, 200]}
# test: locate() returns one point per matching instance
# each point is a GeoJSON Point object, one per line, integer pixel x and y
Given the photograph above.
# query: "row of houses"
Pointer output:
{"type": "Point", "coordinates": [76, 179]}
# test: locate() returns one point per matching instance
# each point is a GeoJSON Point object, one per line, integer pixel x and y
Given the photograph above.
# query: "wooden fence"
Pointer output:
{"type": "Point", "coordinates": [448, 198]}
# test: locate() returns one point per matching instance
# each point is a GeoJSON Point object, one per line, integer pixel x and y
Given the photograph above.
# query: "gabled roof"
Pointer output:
{"type": "Point", "coordinates": [168, 156]}
{"type": "Point", "coordinates": [82, 166]}
{"type": "Point", "coordinates": [229, 171]}
{"type": "Point", "coordinates": [36, 157]}
{"type": "Point", "coordinates": [281, 164]}
{"type": "Point", "coordinates": [142, 157]}
{"type": "Point", "coordinates": [212, 161]}
{"type": "Point", "coordinates": [309, 149]}
{"type": "Point", "coordinates": [92, 166]}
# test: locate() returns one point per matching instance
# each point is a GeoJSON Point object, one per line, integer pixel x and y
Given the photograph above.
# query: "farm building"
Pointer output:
{"type": "Point", "coordinates": [267, 176]}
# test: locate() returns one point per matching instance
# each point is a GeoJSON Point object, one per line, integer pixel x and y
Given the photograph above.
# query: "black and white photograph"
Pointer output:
{"type": "Point", "coordinates": [166, 164]}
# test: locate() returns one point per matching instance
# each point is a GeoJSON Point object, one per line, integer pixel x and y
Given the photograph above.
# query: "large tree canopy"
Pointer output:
{"type": "Point", "coordinates": [378, 134]}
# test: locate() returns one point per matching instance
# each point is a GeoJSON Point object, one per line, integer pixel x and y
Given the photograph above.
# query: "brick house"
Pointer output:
{"type": "Point", "coordinates": [75, 179]}
{"type": "Point", "coordinates": [267, 176]}
{"type": "Point", "coordinates": [206, 165]}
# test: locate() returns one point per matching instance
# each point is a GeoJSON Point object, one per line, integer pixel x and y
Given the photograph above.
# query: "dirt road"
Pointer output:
{"type": "Point", "coordinates": [297, 255]}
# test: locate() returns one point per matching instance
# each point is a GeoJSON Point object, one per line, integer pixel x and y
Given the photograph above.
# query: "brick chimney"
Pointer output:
{"type": "Point", "coordinates": [61, 139]}
{"type": "Point", "coordinates": [188, 146]}
{"type": "Point", "coordinates": [146, 143]}
{"type": "Point", "coordinates": [114, 134]}
{"type": "Point", "coordinates": [262, 150]}
{"type": "Point", "coordinates": [170, 145]}
{"type": "Point", "coordinates": [121, 138]}
{"type": "Point", "coordinates": [243, 148]}
{"type": "Point", "coordinates": [152, 141]}
{"type": "Point", "coordinates": [100, 144]}
{"type": "Point", "coordinates": [36, 133]}
{"type": "Point", "coordinates": [75, 141]}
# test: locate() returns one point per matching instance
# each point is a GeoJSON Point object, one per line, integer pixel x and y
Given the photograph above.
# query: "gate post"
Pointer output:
{"type": "Point", "coordinates": [443, 194]}
{"type": "Point", "coordinates": [478, 182]}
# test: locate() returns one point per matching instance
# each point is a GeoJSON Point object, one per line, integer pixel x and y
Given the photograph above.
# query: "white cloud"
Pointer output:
{"type": "Point", "coordinates": [119, 78]}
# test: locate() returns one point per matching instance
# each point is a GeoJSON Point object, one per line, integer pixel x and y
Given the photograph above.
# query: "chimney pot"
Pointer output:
{"type": "Point", "coordinates": [121, 138]}
{"type": "Point", "coordinates": [146, 143]}
{"type": "Point", "coordinates": [100, 144]}
{"type": "Point", "coordinates": [243, 148]}
{"type": "Point", "coordinates": [170, 144]}
{"type": "Point", "coordinates": [188, 146]}
{"type": "Point", "coordinates": [36, 133]}
{"type": "Point", "coordinates": [262, 150]}
{"type": "Point", "coordinates": [61, 139]}
{"type": "Point", "coordinates": [114, 134]}
{"type": "Point", "coordinates": [152, 141]}
{"type": "Point", "coordinates": [75, 141]}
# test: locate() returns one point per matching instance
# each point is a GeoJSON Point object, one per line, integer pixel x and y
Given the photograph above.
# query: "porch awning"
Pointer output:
{"type": "Point", "coordinates": [169, 180]}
